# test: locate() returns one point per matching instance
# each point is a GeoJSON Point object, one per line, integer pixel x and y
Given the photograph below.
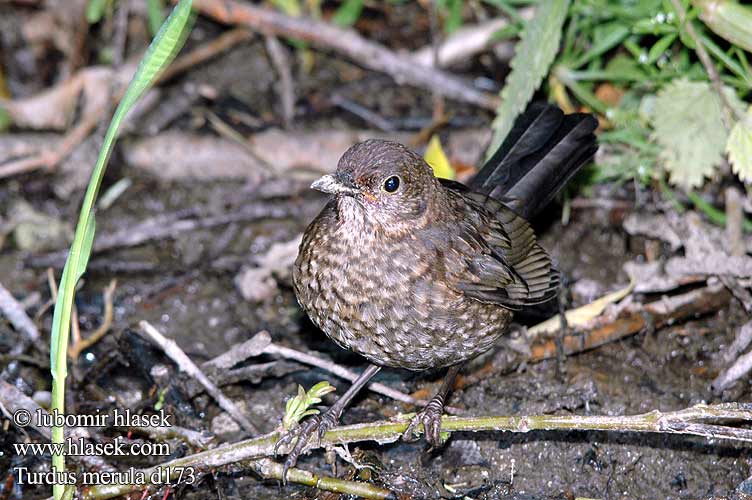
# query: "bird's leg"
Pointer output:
{"type": "Point", "coordinates": [430, 416]}
{"type": "Point", "coordinates": [322, 423]}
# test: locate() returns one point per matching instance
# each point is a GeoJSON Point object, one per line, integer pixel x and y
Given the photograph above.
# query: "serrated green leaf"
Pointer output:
{"type": "Point", "coordinates": [739, 148]}
{"type": "Point", "coordinates": [534, 54]}
{"type": "Point", "coordinates": [688, 125]}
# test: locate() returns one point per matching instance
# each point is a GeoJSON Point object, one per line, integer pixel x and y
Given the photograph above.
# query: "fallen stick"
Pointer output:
{"type": "Point", "coordinates": [689, 421]}
{"type": "Point", "coordinates": [14, 311]}
{"type": "Point", "coordinates": [634, 318]}
{"type": "Point", "coordinates": [174, 352]}
{"type": "Point", "coordinates": [606, 328]}
{"type": "Point", "coordinates": [403, 69]}
{"type": "Point", "coordinates": [50, 159]}
{"type": "Point", "coordinates": [468, 41]}
{"type": "Point", "coordinates": [172, 224]}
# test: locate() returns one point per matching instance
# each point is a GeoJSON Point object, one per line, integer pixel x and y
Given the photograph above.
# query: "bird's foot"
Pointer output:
{"type": "Point", "coordinates": [316, 424]}
{"type": "Point", "coordinates": [430, 417]}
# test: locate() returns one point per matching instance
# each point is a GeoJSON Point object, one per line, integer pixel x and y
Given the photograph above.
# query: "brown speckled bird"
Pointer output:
{"type": "Point", "coordinates": [415, 272]}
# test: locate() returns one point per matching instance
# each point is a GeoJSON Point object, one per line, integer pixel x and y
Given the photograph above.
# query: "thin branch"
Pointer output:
{"type": "Point", "coordinates": [51, 159]}
{"type": "Point", "coordinates": [17, 316]}
{"type": "Point", "coordinates": [403, 69]}
{"type": "Point", "coordinates": [605, 329]}
{"type": "Point", "coordinates": [169, 225]}
{"type": "Point", "coordinates": [339, 371]}
{"type": "Point", "coordinates": [270, 469]}
{"type": "Point", "coordinates": [698, 420]}
{"type": "Point", "coordinates": [82, 344]}
{"type": "Point", "coordinates": [729, 113]}
{"type": "Point", "coordinates": [171, 349]}
{"type": "Point", "coordinates": [205, 52]}
{"type": "Point", "coordinates": [286, 88]}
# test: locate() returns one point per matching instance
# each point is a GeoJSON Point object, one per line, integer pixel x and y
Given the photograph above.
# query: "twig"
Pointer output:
{"type": "Point", "coordinates": [339, 371]}
{"type": "Point", "coordinates": [735, 222]}
{"type": "Point", "coordinates": [261, 343]}
{"type": "Point", "coordinates": [171, 349]}
{"type": "Point", "coordinates": [636, 317]}
{"type": "Point", "coordinates": [201, 54]}
{"type": "Point", "coordinates": [50, 159]}
{"type": "Point", "coordinates": [270, 469]}
{"type": "Point", "coordinates": [349, 43]}
{"type": "Point", "coordinates": [729, 113]}
{"type": "Point", "coordinates": [607, 328]}
{"type": "Point", "coordinates": [196, 439]}
{"type": "Point", "coordinates": [286, 89]}
{"type": "Point", "coordinates": [71, 140]}
{"type": "Point", "coordinates": [689, 421]}
{"type": "Point", "coordinates": [741, 364]}
{"type": "Point", "coordinates": [466, 42]}
{"type": "Point", "coordinates": [741, 342]}
{"type": "Point", "coordinates": [239, 353]}
{"type": "Point", "coordinates": [82, 344]}
{"type": "Point", "coordinates": [17, 316]}
{"type": "Point", "coordinates": [170, 225]}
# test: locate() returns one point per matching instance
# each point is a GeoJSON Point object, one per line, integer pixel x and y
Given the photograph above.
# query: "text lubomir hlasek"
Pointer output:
{"type": "Point", "coordinates": [118, 418]}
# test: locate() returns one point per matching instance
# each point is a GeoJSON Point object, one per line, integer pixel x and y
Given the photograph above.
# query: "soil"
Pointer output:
{"type": "Point", "coordinates": [186, 289]}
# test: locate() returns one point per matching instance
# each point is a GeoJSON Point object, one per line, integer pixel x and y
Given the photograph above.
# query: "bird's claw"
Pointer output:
{"type": "Point", "coordinates": [318, 424]}
{"type": "Point", "coordinates": [430, 417]}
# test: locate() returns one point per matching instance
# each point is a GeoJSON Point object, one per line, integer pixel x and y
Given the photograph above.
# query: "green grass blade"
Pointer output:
{"type": "Point", "coordinates": [155, 15]}
{"type": "Point", "coordinates": [348, 13]}
{"type": "Point", "coordinates": [535, 53]}
{"type": "Point", "coordinates": [160, 53]}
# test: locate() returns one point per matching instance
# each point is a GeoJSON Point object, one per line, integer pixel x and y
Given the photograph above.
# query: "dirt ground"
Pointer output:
{"type": "Point", "coordinates": [185, 285]}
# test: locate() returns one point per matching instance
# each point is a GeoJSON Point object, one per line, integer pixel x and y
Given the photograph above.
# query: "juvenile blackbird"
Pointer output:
{"type": "Point", "coordinates": [416, 272]}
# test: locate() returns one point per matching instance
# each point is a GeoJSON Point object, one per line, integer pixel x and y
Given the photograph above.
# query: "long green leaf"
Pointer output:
{"type": "Point", "coordinates": [535, 53]}
{"type": "Point", "coordinates": [160, 53]}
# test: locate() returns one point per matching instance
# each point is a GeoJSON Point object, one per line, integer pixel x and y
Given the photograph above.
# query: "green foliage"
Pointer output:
{"type": "Point", "coordinates": [639, 52]}
{"type": "Point", "coordinates": [95, 10]}
{"type": "Point", "coordinates": [739, 148]}
{"type": "Point", "coordinates": [299, 406]}
{"type": "Point", "coordinates": [452, 10]}
{"type": "Point", "coordinates": [729, 20]}
{"type": "Point", "coordinates": [155, 15]}
{"type": "Point", "coordinates": [534, 54]}
{"type": "Point", "coordinates": [160, 53]}
{"type": "Point", "coordinates": [348, 13]}
{"type": "Point", "coordinates": [687, 119]}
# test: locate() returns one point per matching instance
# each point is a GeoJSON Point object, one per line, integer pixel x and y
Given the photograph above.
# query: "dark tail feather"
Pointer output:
{"type": "Point", "coordinates": [544, 149]}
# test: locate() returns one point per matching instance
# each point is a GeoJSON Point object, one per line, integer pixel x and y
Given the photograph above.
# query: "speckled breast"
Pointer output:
{"type": "Point", "coordinates": [377, 298]}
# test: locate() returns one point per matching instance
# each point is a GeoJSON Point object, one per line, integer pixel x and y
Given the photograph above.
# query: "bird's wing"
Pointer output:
{"type": "Point", "coordinates": [507, 266]}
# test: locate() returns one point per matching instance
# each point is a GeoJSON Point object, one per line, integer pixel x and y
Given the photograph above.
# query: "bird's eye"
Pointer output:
{"type": "Point", "coordinates": [392, 184]}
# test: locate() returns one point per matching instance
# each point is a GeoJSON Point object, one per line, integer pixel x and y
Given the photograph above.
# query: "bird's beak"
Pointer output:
{"type": "Point", "coordinates": [332, 185]}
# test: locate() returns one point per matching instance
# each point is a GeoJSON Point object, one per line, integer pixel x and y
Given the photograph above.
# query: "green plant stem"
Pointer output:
{"type": "Point", "coordinates": [713, 214]}
{"type": "Point", "coordinates": [563, 74]}
{"type": "Point", "coordinates": [160, 53]}
{"type": "Point", "coordinates": [689, 421]}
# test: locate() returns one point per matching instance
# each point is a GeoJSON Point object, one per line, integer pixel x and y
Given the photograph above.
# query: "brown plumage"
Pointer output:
{"type": "Point", "coordinates": [415, 272]}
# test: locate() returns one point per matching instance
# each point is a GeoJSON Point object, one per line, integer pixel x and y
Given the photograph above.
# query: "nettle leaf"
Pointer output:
{"type": "Point", "coordinates": [739, 148]}
{"type": "Point", "coordinates": [688, 125]}
{"type": "Point", "coordinates": [534, 54]}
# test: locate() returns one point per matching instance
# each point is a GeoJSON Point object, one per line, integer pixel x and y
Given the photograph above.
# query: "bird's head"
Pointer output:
{"type": "Point", "coordinates": [383, 183]}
